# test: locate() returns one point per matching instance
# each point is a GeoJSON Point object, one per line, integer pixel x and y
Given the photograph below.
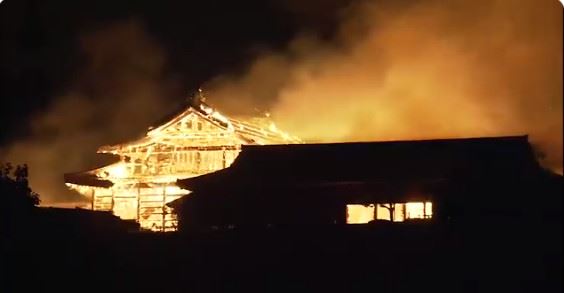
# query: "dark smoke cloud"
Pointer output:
{"type": "Point", "coordinates": [415, 70]}
{"type": "Point", "coordinates": [121, 90]}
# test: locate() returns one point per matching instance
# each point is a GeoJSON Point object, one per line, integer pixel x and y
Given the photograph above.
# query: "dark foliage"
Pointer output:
{"type": "Point", "coordinates": [14, 188]}
{"type": "Point", "coordinates": [17, 199]}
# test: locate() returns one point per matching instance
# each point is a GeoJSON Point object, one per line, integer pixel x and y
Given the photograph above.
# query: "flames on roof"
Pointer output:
{"type": "Point", "coordinates": [197, 141]}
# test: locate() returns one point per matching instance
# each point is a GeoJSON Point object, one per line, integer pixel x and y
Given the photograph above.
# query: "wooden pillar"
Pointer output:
{"type": "Point", "coordinates": [113, 201]}
{"type": "Point", "coordinates": [138, 203]}
{"type": "Point", "coordinates": [93, 198]}
{"type": "Point", "coordinates": [164, 208]}
{"type": "Point", "coordinates": [404, 210]}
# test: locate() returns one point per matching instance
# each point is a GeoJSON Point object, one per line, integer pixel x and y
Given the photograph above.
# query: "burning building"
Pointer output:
{"type": "Point", "coordinates": [197, 141]}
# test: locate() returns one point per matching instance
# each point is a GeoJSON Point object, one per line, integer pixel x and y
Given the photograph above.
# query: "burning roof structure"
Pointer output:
{"type": "Point", "coordinates": [197, 141]}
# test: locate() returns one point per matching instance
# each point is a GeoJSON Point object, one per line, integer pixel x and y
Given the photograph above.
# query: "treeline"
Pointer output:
{"type": "Point", "coordinates": [17, 199]}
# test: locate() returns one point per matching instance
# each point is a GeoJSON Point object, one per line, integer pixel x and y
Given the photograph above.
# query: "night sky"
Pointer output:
{"type": "Point", "coordinates": [40, 53]}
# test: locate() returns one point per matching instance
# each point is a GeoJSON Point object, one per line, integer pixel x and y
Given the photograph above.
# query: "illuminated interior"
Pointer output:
{"type": "Point", "coordinates": [396, 212]}
{"type": "Point", "coordinates": [360, 214]}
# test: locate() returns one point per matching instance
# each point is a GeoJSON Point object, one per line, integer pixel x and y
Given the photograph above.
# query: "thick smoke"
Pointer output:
{"type": "Point", "coordinates": [428, 69]}
{"type": "Point", "coordinates": [394, 70]}
{"type": "Point", "coordinates": [116, 96]}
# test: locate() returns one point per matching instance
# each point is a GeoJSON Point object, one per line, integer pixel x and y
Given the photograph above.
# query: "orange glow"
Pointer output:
{"type": "Point", "coordinates": [195, 142]}
{"type": "Point", "coordinates": [118, 170]}
{"type": "Point", "coordinates": [418, 210]}
{"type": "Point", "coordinates": [426, 72]}
{"type": "Point", "coordinates": [361, 214]}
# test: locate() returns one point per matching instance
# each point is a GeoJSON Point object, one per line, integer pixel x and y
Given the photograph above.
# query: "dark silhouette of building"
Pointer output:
{"type": "Point", "coordinates": [468, 181]}
{"type": "Point", "coordinates": [82, 221]}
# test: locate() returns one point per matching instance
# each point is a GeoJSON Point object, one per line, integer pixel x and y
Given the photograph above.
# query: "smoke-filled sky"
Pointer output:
{"type": "Point", "coordinates": [427, 70]}
{"type": "Point", "coordinates": [326, 70]}
{"type": "Point", "coordinates": [115, 95]}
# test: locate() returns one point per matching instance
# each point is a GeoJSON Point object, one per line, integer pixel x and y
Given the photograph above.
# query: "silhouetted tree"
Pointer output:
{"type": "Point", "coordinates": [17, 198]}
{"type": "Point", "coordinates": [391, 207]}
{"type": "Point", "coordinates": [14, 187]}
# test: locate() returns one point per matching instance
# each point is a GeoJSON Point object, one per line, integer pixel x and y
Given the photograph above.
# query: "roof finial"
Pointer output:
{"type": "Point", "coordinates": [201, 96]}
{"type": "Point", "coordinates": [197, 98]}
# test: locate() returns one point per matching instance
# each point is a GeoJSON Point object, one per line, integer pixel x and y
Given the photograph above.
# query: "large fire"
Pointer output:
{"type": "Point", "coordinates": [197, 141]}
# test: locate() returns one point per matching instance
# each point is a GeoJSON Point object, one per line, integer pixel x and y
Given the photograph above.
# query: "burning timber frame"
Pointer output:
{"type": "Point", "coordinates": [197, 141]}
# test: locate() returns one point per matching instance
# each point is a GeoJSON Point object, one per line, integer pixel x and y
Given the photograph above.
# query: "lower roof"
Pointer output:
{"type": "Point", "coordinates": [423, 160]}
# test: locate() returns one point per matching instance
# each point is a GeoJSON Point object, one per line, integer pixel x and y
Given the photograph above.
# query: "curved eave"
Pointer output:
{"type": "Point", "coordinates": [86, 179]}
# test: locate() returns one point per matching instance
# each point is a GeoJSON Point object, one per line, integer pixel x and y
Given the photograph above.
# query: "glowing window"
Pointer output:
{"type": "Point", "coordinates": [359, 214]}
{"type": "Point", "coordinates": [404, 211]}
{"type": "Point", "coordinates": [418, 210]}
{"type": "Point", "coordinates": [383, 212]}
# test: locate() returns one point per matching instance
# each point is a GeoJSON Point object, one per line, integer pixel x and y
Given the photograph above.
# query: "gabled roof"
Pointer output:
{"type": "Point", "coordinates": [254, 131]}
{"type": "Point", "coordinates": [150, 138]}
{"type": "Point", "coordinates": [249, 131]}
{"type": "Point", "coordinates": [403, 161]}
